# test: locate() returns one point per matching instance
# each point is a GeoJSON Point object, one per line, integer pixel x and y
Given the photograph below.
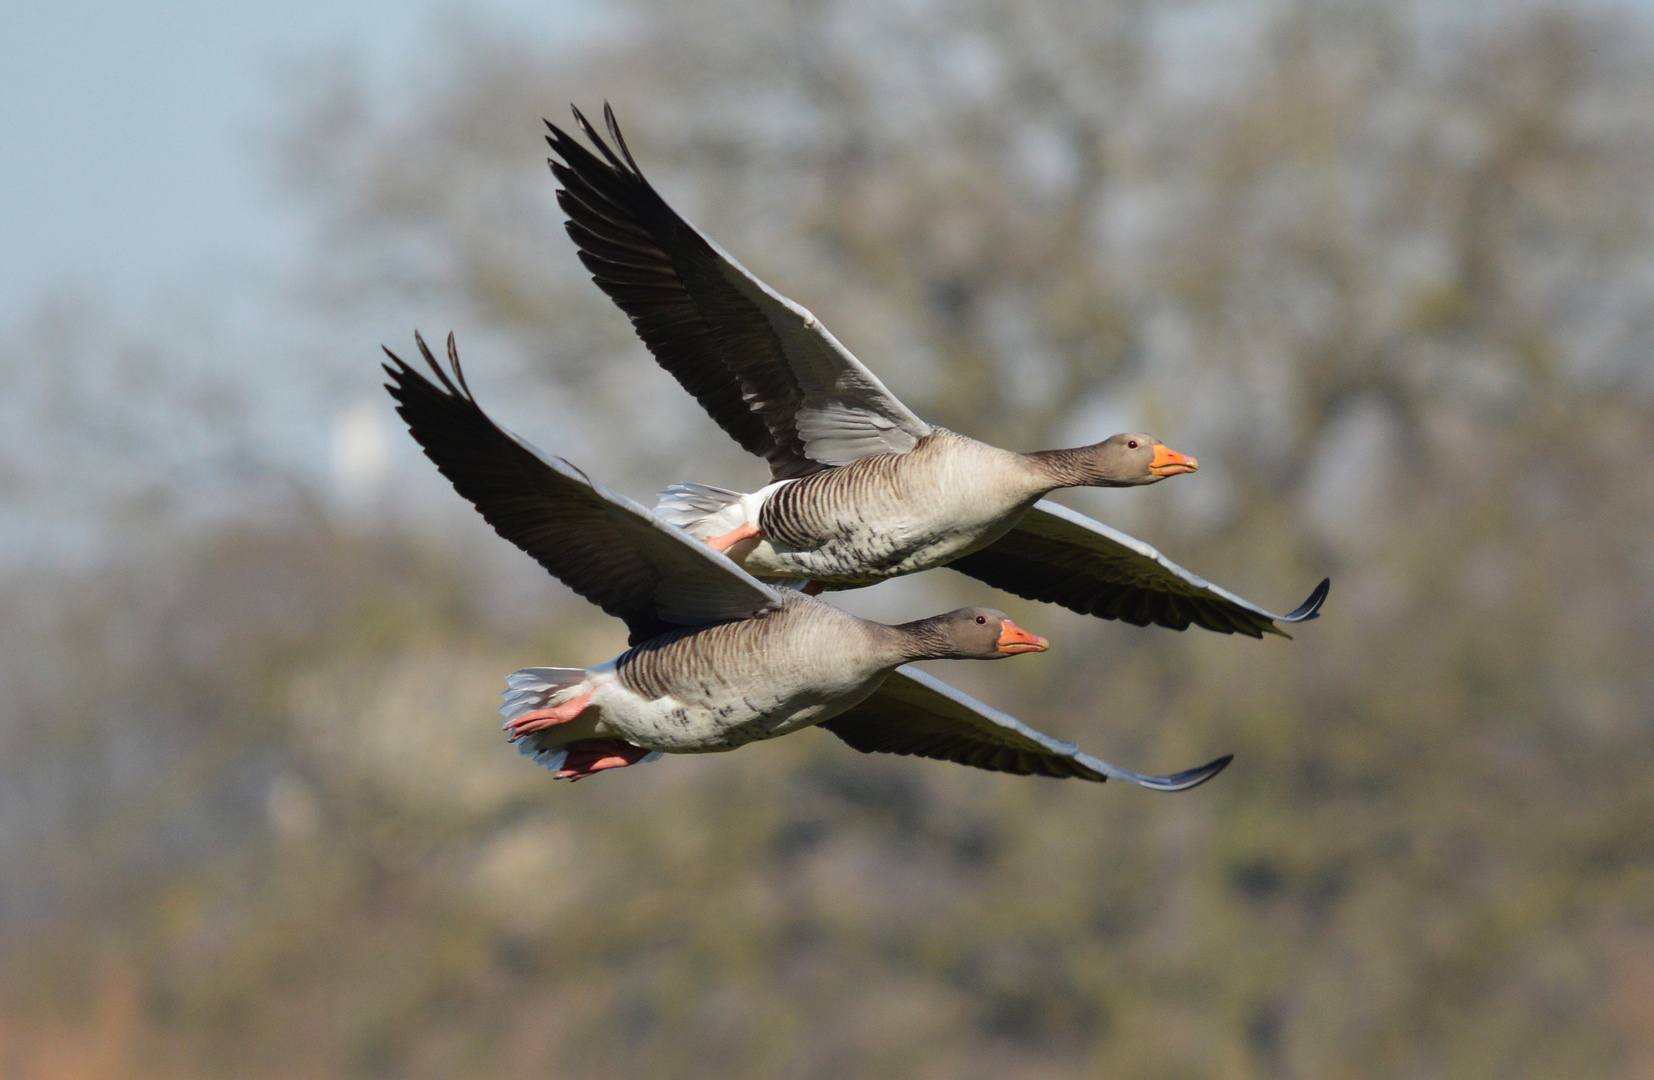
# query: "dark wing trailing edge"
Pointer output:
{"type": "Point", "coordinates": [1062, 557]}
{"type": "Point", "coordinates": [602, 545]}
{"type": "Point", "coordinates": [914, 713]}
{"type": "Point", "coordinates": [764, 368]}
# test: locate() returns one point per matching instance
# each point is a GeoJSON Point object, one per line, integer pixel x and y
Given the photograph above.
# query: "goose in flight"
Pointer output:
{"type": "Point", "coordinates": [862, 488]}
{"type": "Point", "coordinates": [718, 659]}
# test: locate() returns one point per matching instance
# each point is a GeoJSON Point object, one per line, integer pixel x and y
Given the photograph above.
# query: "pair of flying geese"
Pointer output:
{"type": "Point", "coordinates": [728, 643]}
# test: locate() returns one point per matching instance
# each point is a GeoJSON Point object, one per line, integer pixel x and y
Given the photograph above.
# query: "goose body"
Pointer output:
{"type": "Point", "coordinates": [864, 489]}
{"type": "Point", "coordinates": [875, 518]}
{"type": "Point", "coordinates": [719, 688]}
{"type": "Point", "coordinates": [718, 659]}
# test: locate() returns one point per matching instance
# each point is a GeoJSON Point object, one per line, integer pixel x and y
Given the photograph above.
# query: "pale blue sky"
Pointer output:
{"type": "Point", "coordinates": [128, 156]}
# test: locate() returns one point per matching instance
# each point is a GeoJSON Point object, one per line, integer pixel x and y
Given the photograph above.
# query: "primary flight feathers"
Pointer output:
{"type": "Point", "coordinates": [601, 544]}
{"type": "Point", "coordinates": [766, 370]}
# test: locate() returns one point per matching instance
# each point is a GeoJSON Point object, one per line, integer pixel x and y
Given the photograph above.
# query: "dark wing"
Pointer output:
{"type": "Point", "coordinates": [914, 713]}
{"type": "Point", "coordinates": [761, 365]}
{"type": "Point", "coordinates": [604, 546]}
{"type": "Point", "coordinates": [1063, 557]}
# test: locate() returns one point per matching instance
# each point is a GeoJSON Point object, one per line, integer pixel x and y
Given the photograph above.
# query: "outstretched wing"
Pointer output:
{"type": "Point", "coordinates": [914, 713]}
{"type": "Point", "coordinates": [761, 365]}
{"type": "Point", "coordinates": [1063, 557]}
{"type": "Point", "coordinates": [602, 545]}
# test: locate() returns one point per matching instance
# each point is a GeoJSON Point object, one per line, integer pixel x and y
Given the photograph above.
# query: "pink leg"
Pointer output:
{"type": "Point", "coordinates": [588, 757]}
{"type": "Point", "coordinates": [730, 539]}
{"type": "Point", "coordinates": [540, 719]}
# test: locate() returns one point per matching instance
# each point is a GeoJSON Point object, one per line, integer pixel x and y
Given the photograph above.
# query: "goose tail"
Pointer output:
{"type": "Point", "coordinates": [535, 688]}
{"type": "Point", "coordinates": [541, 688]}
{"type": "Point", "coordinates": [701, 510]}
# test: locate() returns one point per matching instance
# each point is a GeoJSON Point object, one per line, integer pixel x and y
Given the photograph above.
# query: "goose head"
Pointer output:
{"type": "Point", "coordinates": [1124, 460]}
{"type": "Point", "coordinates": [974, 633]}
{"type": "Point", "coordinates": [1133, 458]}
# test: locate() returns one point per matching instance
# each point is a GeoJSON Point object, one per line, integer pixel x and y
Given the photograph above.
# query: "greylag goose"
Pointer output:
{"type": "Point", "coordinates": [718, 658]}
{"type": "Point", "coordinates": [863, 489]}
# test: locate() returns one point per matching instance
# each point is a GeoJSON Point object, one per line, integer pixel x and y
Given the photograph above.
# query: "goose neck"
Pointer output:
{"type": "Point", "coordinates": [922, 639]}
{"type": "Point", "coordinates": [1074, 467]}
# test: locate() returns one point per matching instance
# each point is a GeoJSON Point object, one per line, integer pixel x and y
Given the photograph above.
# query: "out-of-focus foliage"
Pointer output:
{"type": "Point", "coordinates": [1392, 281]}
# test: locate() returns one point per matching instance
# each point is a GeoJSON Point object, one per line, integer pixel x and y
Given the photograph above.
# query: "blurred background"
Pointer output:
{"type": "Point", "coordinates": [1385, 267]}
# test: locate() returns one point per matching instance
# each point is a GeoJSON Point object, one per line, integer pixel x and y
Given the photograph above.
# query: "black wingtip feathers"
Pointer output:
{"type": "Point", "coordinates": [1191, 778]}
{"type": "Point", "coordinates": [613, 125]}
{"type": "Point", "coordinates": [597, 140]}
{"type": "Point", "coordinates": [1311, 608]}
{"type": "Point", "coordinates": [561, 143]}
{"type": "Point", "coordinates": [453, 362]}
{"type": "Point", "coordinates": [401, 372]}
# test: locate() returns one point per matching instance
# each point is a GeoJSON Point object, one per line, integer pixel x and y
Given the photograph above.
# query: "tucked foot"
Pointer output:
{"type": "Point", "coordinates": [723, 543]}
{"type": "Point", "coordinates": [589, 757]}
{"type": "Point", "coordinates": [540, 719]}
{"type": "Point", "coordinates": [814, 588]}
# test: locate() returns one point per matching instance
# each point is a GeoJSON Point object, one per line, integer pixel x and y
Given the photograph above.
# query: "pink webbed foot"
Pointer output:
{"type": "Point", "coordinates": [730, 539]}
{"type": "Point", "coordinates": [588, 757]}
{"type": "Point", "coordinates": [540, 719]}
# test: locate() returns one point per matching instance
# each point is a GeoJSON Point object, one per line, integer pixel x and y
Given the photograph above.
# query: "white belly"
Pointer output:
{"type": "Point", "coordinates": [679, 726]}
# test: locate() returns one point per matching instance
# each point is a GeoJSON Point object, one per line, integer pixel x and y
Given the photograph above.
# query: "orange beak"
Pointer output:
{"type": "Point", "coordinates": [1168, 462]}
{"type": "Point", "coordinates": [1014, 639]}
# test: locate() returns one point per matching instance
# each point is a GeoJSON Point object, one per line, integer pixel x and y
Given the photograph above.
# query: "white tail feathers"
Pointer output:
{"type": "Point", "coordinates": [541, 688]}
{"type": "Point", "coordinates": [701, 510]}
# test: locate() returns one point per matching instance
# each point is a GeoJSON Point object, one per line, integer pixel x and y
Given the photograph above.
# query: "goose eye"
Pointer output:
{"type": "Point", "coordinates": [982, 620]}
{"type": "Point", "coordinates": [1132, 444]}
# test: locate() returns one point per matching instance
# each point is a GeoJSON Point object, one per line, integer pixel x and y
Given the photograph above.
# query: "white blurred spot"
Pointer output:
{"type": "Point", "coordinates": [1048, 158]}
{"type": "Point", "coordinates": [361, 451]}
